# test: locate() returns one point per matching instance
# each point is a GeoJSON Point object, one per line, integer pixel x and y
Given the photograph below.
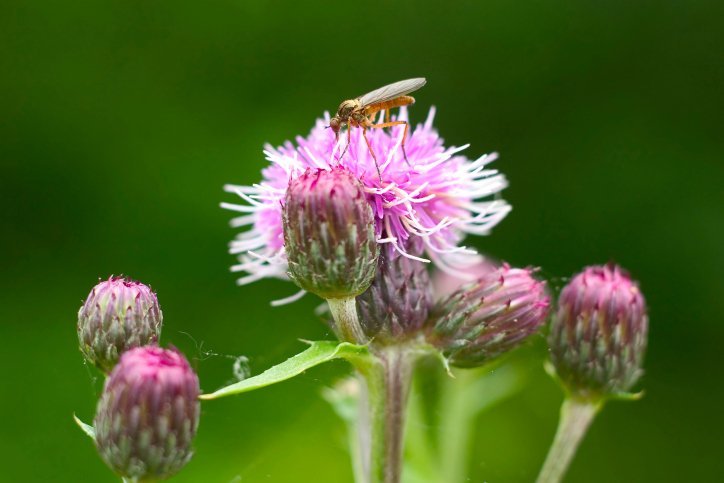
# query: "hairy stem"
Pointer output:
{"type": "Point", "coordinates": [576, 417]}
{"type": "Point", "coordinates": [387, 385]}
{"type": "Point", "coordinates": [346, 323]}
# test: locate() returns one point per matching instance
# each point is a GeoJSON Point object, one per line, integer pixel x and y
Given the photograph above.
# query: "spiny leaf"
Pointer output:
{"type": "Point", "coordinates": [318, 353]}
{"type": "Point", "coordinates": [86, 428]}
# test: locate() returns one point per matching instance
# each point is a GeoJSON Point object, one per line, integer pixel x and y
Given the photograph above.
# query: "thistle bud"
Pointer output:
{"type": "Point", "coordinates": [399, 300]}
{"type": "Point", "coordinates": [329, 234]}
{"type": "Point", "coordinates": [489, 317]}
{"type": "Point", "coordinates": [148, 414]}
{"type": "Point", "coordinates": [598, 335]}
{"type": "Point", "coordinates": [119, 314]}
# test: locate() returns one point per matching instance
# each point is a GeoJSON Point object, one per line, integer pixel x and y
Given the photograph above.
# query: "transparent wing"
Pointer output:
{"type": "Point", "coordinates": [391, 91]}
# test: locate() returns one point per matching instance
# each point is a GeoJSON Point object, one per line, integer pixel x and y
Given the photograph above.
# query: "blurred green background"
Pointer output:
{"type": "Point", "coordinates": [121, 120]}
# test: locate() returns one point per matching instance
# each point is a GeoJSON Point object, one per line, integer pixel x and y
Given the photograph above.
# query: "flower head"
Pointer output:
{"type": "Point", "coordinates": [489, 317]}
{"type": "Point", "coordinates": [329, 234]}
{"type": "Point", "coordinates": [435, 199]}
{"type": "Point", "coordinates": [119, 314]}
{"type": "Point", "coordinates": [148, 414]}
{"type": "Point", "coordinates": [399, 300]}
{"type": "Point", "coordinates": [598, 334]}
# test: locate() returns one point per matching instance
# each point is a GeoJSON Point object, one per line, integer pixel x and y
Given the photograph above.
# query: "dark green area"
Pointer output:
{"type": "Point", "coordinates": [121, 120]}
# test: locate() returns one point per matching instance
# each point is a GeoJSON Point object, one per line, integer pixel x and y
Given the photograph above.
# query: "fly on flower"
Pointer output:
{"type": "Point", "coordinates": [359, 112]}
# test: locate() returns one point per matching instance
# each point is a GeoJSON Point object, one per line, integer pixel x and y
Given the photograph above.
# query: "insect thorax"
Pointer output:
{"type": "Point", "coordinates": [348, 107]}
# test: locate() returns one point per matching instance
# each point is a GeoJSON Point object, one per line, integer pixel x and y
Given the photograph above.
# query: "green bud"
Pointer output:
{"type": "Point", "coordinates": [148, 414]}
{"type": "Point", "coordinates": [489, 317]}
{"type": "Point", "coordinates": [329, 234]}
{"type": "Point", "coordinates": [119, 314]}
{"type": "Point", "coordinates": [598, 334]}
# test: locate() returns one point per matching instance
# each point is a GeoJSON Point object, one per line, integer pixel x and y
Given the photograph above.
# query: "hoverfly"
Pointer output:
{"type": "Point", "coordinates": [360, 112]}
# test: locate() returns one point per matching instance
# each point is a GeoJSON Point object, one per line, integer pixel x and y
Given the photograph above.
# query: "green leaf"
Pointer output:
{"type": "Point", "coordinates": [429, 349]}
{"type": "Point", "coordinates": [626, 396]}
{"type": "Point", "coordinates": [86, 428]}
{"type": "Point", "coordinates": [318, 353]}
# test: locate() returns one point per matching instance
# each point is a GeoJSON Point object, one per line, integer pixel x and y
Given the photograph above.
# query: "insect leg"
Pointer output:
{"type": "Point", "coordinates": [364, 135]}
{"type": "Point", "coordinates": [349, 137]}
{"type": "Point", "coordinates": [404, 136]}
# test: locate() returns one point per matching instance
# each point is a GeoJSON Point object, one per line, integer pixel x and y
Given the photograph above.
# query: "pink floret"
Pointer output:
{"type": "Point", "coordinates": [423, 209]}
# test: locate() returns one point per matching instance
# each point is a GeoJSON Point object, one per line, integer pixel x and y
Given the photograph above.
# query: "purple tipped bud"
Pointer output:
{"type": "Point", "coordinates": [329, 234]}
{"type": "Point", "coordinates": [490, 317]}
{"type": "Point", "coordinates": [399, 300]}
{"type": "Point", "coordinates": [148, 414]}
{"type": "Point", "coordinates": [119, 314]}
{"type": "Point", "coordinates": [598, 335]}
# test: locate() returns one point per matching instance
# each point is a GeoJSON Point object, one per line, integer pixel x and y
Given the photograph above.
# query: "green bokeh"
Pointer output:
{"type": "Point", "coordinates": [121, 120]}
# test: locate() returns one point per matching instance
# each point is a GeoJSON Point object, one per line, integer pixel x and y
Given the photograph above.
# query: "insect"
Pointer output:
{"type": "Point", "coordinates": [360, 112]}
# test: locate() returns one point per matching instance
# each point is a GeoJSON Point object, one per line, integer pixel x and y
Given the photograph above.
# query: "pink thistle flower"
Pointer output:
{"type": "Point", "coordinates": [432, 202]}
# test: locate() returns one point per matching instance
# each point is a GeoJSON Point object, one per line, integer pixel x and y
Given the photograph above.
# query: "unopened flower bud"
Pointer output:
{"type": "Point", "coordinates": [329, 234]}
{"type": "Point", "coordinates": [148, 414]}
{"type": "Point", "coordinates": [119, 314]}
{"type": "Point", "coordinates": [598, 334]}
{"type": "Point", "coordinates": [399, 300]}
{"type": "Point", "coordinates": [490, 316]}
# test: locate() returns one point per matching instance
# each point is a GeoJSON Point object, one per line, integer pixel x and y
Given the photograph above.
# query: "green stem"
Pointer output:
{"type": "Point", "coordinates": [463, 399]}
{"type": "Point", "coordinates": [346, 323]}
{"type": "Point", "coordinates": [576, 417]}
{"type": "Point", "coordinates": [421, 462]}
{"type": "Point", "coordinates": [457, 422]}
{"type": "Point", "coordinates": [387, 385]}
{"type": "Point", "coordinates": [356, 455]}
{"type": "Point", "coordinates": [344, 398]}
{"type": "Point", "coordinates": [364, 424]}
